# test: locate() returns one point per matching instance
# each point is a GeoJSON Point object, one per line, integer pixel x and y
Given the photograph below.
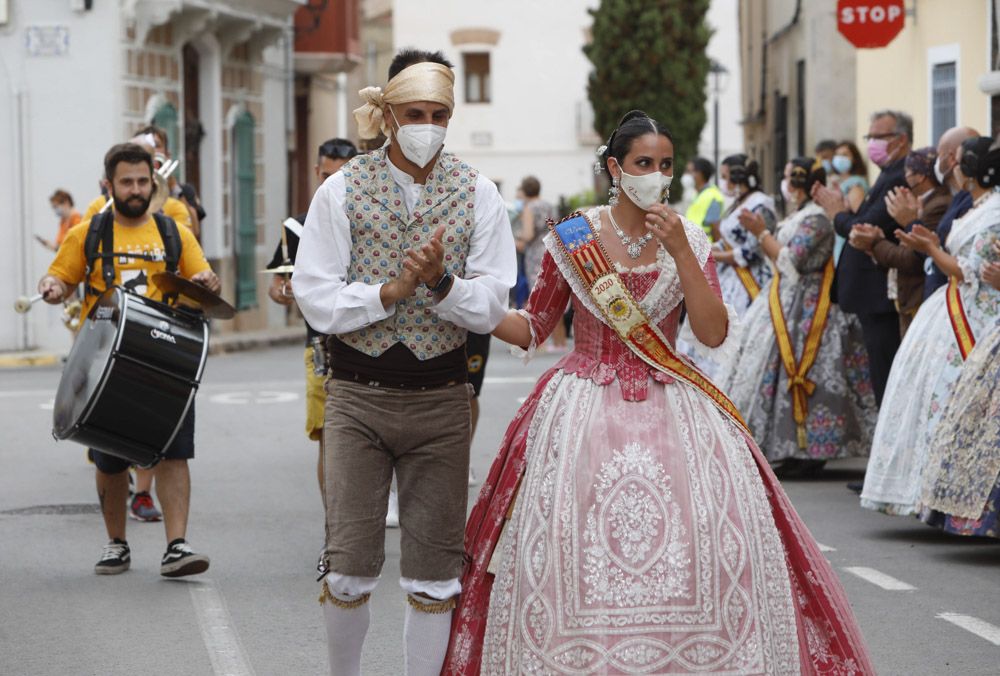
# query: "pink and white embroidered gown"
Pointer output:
{"type": "Point", "coordinates": [648, 534]}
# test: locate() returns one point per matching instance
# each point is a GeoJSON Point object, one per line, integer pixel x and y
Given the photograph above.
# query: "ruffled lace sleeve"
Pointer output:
{"type": "Point", "coordinates": [545, 307]}
{"type": "Point", "coordinates": [808, 249]}
{"type": "Point", "coordinates": [980, 253]}
{"type": "Point", "coordinates": [724, 350]}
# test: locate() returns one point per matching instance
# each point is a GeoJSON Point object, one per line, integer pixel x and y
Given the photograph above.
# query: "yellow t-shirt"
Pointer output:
{"type": "Point", "coordinates": [70, 264]}
{"type": "Point", "coordinates": [173, 207]}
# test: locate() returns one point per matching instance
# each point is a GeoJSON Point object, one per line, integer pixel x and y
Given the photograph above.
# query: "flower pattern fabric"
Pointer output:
{"type": "Point", "coordinates": [842, 410]}
{"type": "Point", "coordinates": [961, 491]}
{"type": "Point", "coordinates": [381, 231]}
{"type": "Point", "coordinates": [927, 367]}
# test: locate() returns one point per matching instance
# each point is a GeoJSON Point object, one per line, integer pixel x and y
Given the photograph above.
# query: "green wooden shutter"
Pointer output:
{"type": "Point", "coordinates": [166, 119]}
{"type": "Point", "coordinates": [244, 201]}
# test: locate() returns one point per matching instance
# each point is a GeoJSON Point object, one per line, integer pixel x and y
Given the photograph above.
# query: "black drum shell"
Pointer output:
{"type": "Point", "coordinates": [130, 377]}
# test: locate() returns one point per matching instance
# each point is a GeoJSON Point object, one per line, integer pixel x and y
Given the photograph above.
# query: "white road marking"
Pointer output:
{"type": "Point", "coordinates": [521, 400]}
{"type": "Point", "coordinates": [27, 393]}
{"type": "Point", "coordinates": [880, 579]}
{"type": "Point", "coordinates": [825, 548]}
{"type": "Point", "coordinates": [980, 628]}
{"type": "Point", "coordinates": [247, 397]}
{"type": "Point", "coordinates": [48, 406]}
{"type": "Point", "coordinates": [501, 380]}
{"type": "Point", "coordinates": [217, 631]}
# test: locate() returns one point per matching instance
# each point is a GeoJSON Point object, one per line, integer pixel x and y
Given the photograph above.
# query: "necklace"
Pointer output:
{"type": "Point", "coordinates": [632, 247]}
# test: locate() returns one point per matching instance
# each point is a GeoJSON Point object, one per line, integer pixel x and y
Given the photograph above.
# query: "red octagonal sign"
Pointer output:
{"type": "Point", "coordinates": [869, 23]}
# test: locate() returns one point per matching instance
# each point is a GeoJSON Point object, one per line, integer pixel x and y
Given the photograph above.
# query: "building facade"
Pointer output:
{"type": "Point", "coordinates": [520, 86]}
{"type": "Point", "coordinates": [80, 77]}
{"type": "Point", "coordinates": [933, 70]}
{"type": "Point", "coordinates": [797, 81]}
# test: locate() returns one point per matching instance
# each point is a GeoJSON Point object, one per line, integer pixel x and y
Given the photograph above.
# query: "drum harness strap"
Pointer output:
{"type": "Point", "coordinates": [102, 230]}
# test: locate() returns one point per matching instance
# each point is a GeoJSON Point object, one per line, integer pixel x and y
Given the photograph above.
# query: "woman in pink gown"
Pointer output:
{"type": "Point", "coordinates": [628, 525]}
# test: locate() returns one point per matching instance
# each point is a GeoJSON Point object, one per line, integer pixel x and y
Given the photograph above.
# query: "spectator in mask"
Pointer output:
{"type": "Point", "coordinates": [707, 204]}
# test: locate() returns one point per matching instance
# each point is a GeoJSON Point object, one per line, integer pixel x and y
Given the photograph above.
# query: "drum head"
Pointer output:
{"type": "Point", "coordinates": [86, 363]}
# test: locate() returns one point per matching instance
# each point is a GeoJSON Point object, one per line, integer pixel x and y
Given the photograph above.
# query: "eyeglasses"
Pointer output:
{"type": "Point", "coordinates": [337, 151]}
{"type": "Point", "coordinates": [879, 137]}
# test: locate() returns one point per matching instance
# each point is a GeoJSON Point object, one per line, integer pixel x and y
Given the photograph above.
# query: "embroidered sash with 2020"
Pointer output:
{"type": "Point", "coordinates": [622, 312]}
{"type": "Point", "coordinates": [799, 385]}
{"type": "Point", "coordinates": [959, 321]}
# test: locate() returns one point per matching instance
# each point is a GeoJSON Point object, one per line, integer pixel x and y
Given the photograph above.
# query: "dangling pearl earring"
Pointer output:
{"type": "Point", "coordinates": [613, 192]}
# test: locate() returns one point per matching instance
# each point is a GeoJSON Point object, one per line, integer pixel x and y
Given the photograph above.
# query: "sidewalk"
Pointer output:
{"type": "Point", "coordinates": [218, 344]}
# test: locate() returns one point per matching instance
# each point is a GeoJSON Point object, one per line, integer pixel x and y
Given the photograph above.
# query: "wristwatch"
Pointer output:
{"type": "Point", "coordinates": [442, 283]}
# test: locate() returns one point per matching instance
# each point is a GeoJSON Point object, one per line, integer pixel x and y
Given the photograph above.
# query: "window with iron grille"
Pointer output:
{"type": "Point", "coordinates": [943, 97]}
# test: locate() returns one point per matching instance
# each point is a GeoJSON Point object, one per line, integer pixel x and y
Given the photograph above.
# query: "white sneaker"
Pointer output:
{"type": "Point", "coordinates": [392, 516]}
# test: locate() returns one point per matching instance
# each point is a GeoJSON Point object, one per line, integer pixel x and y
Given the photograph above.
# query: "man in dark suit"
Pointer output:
{"type": "Point", "coordinates": [860, 284]}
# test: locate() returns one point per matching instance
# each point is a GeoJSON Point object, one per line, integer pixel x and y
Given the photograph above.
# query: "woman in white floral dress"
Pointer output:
{"type": "Point", "coordinates": [629, 523]}
{"type": "Point", "coordinates": [930, 357]}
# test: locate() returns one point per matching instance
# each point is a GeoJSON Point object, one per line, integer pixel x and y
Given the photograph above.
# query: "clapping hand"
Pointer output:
{"type": "Point", "coordinates": [864, 236]}
{"type": "Point", "coordinates": [919, 239]}
{"type": "Point", "coordinates": [830, 199]}
{"type": "Point", "coordinates": [667, 227]}
{"type": "Point", "coordinates": [427, 263]}
{"type": "Point", "coordinates": [903, 205]}
{"type": "Point", "coordinates": [991, 271]}
{"type": "Point", "coordinates": [751, 222]}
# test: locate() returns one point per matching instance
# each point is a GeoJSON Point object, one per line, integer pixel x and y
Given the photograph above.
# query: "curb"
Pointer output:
{"type": "Point", "coordinates": [26, 360]}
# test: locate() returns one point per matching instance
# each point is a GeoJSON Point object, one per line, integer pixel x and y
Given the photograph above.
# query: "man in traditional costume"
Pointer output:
{"type": "Point", "coordinates": [405, 249]}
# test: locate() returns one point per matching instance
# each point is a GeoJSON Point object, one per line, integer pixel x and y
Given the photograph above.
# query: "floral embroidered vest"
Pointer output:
{"type": "Point", "coordinates": [382, 231]}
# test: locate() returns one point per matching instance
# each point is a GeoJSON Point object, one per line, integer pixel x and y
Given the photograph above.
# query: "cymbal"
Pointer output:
{"type": "Point", "coordinates": [206, 301]}
{"type": "Point", "coordinates": [280, 270]}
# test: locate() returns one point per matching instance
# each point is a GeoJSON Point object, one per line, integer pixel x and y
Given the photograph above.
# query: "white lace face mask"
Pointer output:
{"type": "Point", "coordinates": [419, 142]}
{"type": "Point", "coordinates": [647, 189]}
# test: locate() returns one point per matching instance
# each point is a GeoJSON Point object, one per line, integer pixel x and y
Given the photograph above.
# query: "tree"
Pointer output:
{"type": "Point", "coordinates": [650, 55]}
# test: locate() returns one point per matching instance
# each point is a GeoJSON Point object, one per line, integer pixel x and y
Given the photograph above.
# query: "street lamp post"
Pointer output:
{"type": "Point", "coordinates": [718, 71]}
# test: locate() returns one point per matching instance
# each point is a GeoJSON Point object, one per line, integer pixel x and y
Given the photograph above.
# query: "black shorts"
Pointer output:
{"type": "Point", "coordinates": [477, 349]}
{"type": "Point", "coordinates": [181, 448]}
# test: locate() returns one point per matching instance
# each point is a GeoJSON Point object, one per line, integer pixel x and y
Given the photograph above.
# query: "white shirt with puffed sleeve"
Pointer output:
{"type": "Point", "coordinates": [334, 305]}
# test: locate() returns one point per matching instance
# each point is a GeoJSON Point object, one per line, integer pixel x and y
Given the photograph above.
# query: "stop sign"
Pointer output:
{"type": "Point", "coordinates": [869, 23]}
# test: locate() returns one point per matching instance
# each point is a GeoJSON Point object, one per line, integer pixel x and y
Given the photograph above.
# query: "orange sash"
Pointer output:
{"type": "Point", "coordinates": [959, 322]}
{"type": "Point", "coordinates": [800, 386]}
{"type": "Point", "coordinates": [746, 277]}
{"type": "Point", "coordinates": [622, 312]}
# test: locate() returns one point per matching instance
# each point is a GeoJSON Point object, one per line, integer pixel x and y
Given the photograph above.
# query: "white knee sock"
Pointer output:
{"type": "Point", "coordinates": [425, 635]}
{"type": "Point", "coordinates": [345, 633]}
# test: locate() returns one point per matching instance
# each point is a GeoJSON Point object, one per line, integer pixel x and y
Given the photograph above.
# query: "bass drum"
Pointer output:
{"type": "Point", "coordinates": [130, 377]}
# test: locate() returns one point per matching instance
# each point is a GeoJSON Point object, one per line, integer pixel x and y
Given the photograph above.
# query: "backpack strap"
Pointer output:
{"type": "Point", "coordinates": [101, 232]}
{"type": "Point", "coordinates": [171, 240]}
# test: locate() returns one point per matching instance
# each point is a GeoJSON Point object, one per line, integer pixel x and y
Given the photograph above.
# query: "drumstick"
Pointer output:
{"type": "Point", "coordinates": [24, 303]}
{"type": "Point", "coordinates": [107, 205]}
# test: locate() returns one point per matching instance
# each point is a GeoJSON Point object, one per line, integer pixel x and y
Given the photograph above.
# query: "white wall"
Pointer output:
{"type": "Point", "coordinates": [69, 117]}
{"type": "Point", "coordinates": [724, 47]}
{"type": "Point", "coordinates": [539, 78]}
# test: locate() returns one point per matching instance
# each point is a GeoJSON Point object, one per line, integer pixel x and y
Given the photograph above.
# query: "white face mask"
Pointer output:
{"type": "Point", "coordinates": [687, 181]}
{"type": "Point", "coordinates": [419, 142]}
{"type": "Point", "coordinates": [941, 176]}
{"type": "Point", "coordinates": [646, 190]}
{"type": "Point", "coordinates": [786, 191]}
{"type": "Point", "coordinates": [727, 189]}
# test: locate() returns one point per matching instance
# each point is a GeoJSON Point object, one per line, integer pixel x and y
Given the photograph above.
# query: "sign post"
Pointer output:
{"type": "Point", "coordinates": [870, 23]}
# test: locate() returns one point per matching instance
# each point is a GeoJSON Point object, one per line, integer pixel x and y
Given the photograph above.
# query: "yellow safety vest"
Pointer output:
{"type": "Point", "coordinates": [699, 208]}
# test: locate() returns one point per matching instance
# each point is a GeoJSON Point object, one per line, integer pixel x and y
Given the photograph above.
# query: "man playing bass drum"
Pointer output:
{"type": "Point", "coordinates": [139, 242]}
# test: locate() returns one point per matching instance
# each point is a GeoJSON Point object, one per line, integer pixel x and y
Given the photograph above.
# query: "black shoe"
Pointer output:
{"type": "Point", "coordinates": [116, 558]}
{"type": "Point", "coordinates": [180, 560]}
{"type": "Point", "coordinates": [856, 486]}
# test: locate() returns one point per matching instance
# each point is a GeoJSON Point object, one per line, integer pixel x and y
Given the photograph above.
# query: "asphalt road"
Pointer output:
{"type": "Point", "coordinates": [928, 604]}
